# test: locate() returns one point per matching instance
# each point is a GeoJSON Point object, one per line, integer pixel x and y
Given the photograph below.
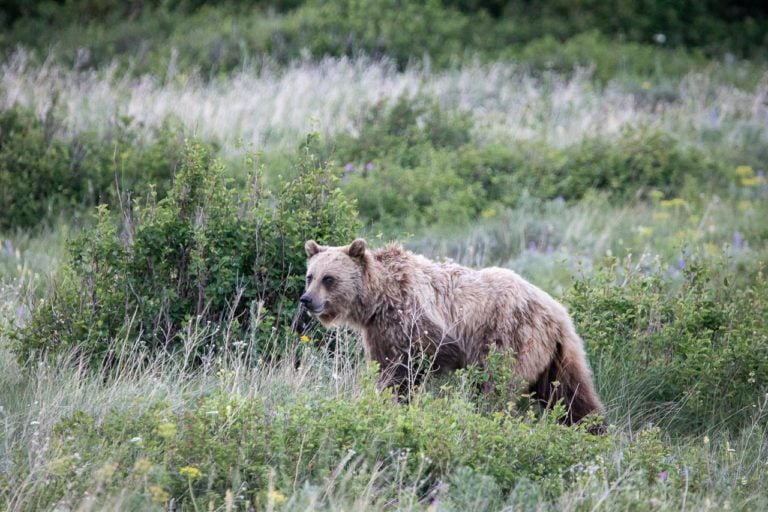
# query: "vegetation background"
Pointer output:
{"type": "Point", "coordinates": [162, 163]}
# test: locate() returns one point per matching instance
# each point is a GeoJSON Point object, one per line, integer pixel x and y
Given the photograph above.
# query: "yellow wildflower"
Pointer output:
{"type": "Point", "coordinates": [166, 430]}
{"type": "Point", "coordinates": [106, 472]}
{"type": "Point", "coordinates": [673, 203]}
{"type": "Point", "coordinates": [644, 231]}
{"type": "Point", "coordinates": [656, 194]}
{"type": "Point", "coordinates": [753, 181]}
{"type": "Point", "coordinates": [276, 497]}
{"type": "Point", "coordinates": [660, 216]}
{"type": "Point", "coordinates": [159, 495]}
{"type": "Point", "coordinates": [304, 338]}
{"type": "Point", "coordinates": [142, 466]}
{"type": "Point", "coordinates": [190, 472]}
{"type": "Point", "coordinates": [744, 171]}
{"type": "Point", "coordinates": [489, 213]}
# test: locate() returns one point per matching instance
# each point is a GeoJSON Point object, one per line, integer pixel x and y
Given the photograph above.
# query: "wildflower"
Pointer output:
{"type": "Point", "coordinates": [663, 475]}
{"type": "Point", "coordinates": [752, 181]}
{"type": "Point", "coordinates": [304, 338]}
{"type": "Point", "coordinates": [106, 472]}
{"type": "Point", "coordinates": [673, 203]}
{"type": "Point", "coordinates": [167, 430]}
{"type": "Point", "coordinates": [349, 167]}
{"type": "Point", "coordinates": [276, 497]}
{"type": "Point", "coordinates": [142, 466]}
{"type": "Point", "coordinates": [681, 263]}
{"type": "Point", "coordinates": [159, 495]}
{"type": "Point", "coordinates": [644, 231]}
{"type": "Point", "coordinates": [190, 472]}
{"type": "Point", "coordinates": [659, 38]}
{"type": "Point", "coordinates": [646, 85]}
{"type": "Point", "coordinates": [656, 194]}
{"type": "Point", "coordinates": [369, 166]}
{"type": "Point", "coordinates": [737, 240]}
{"type": "Point", "coordinates": [745, 171]}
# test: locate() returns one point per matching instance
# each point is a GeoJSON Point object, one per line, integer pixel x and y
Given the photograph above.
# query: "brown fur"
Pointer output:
{"type": "Point", "coordinates": [406, 306]}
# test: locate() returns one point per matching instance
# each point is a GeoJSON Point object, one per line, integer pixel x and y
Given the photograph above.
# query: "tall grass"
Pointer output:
{"type": "Point", "coordinates": [720, 470]}
{"type": "Point", "coordinates": [271, 106]}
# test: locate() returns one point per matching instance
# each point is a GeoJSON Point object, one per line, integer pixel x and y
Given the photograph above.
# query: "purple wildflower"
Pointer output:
{"type": "Point", "coordinates": [349, 167]}
{"type": "Point", "coordinates": [532, 246]}
{"type": "Point", "coordinates": [737, 240]}
{"type": "Point", "coordinates": [369, 166]}
{"type": "Point", "coordinates": [663, 475]}
{"type": "Point", "coordinates": [681, 263]}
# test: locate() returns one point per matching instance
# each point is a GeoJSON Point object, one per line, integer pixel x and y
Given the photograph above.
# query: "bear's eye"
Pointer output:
{"type": "Point", "coordinates": [328, 280]}
{"type": "Point", "coordinates": [309, 278]}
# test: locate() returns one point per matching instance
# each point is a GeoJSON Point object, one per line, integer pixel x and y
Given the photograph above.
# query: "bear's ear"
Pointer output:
{"type": "Point", "coordinates": [357, 248]}
{"type": "Point", "coordinates": [312, 248]}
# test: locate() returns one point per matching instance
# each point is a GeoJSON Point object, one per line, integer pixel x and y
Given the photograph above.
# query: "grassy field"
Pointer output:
{"type": "Point", "coordinates": [151, 356]}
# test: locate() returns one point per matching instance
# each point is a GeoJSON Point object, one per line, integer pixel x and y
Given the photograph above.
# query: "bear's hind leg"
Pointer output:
{"type": "Point", "coordinates": [568, 378]}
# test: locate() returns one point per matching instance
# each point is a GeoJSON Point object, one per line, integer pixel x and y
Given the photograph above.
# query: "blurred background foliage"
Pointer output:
{"type": "Point", "coordinates": [219, 36]}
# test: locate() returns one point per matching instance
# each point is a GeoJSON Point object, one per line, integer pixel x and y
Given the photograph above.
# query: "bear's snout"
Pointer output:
{"type": "Point", "coordinates": [308, 302]}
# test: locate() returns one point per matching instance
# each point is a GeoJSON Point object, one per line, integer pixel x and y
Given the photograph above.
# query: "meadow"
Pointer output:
{"type": "Point", "coordinates": [160, 170]}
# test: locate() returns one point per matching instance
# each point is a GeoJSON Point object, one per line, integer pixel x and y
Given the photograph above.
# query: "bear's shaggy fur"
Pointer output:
{"type": "Point", "coordinates": [407, 306]}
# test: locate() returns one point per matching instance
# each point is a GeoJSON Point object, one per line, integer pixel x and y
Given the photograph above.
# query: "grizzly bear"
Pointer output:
{"type": "Point", "coordinates": [409, 308]}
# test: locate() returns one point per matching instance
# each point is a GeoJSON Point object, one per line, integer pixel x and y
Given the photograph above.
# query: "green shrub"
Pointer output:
{"type": "Point", "coordinates": [43, 176]}
{"type": "Point", "coordinates": [608, 58]}
{"type": "Point", "coordinates": [692, 354]}
{"type": "Point", "coordinates": [640, 160]}
{"type": "Point", "coordinates": [207, 255]}
{"type": "Point", "coordinates": [413, 165]}
{"type": "Point", "coordinates": [404, 31]}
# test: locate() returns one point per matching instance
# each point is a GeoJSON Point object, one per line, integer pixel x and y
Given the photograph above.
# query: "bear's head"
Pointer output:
{"type": "Point", "coordinates": [334, 281]}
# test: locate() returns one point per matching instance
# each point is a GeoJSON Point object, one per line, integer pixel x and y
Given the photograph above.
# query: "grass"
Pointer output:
{"type": "Point", "coordinates": [67, 432]}
{"type": "Point", "coordinates": [269, 108]}
{"type": "Point", "coordinates": [548, 242]}
{"type": "Point", "coordinates": [719, 470]}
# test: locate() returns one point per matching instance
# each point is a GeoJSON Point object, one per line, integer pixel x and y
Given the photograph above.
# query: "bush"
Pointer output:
{"type": "Point", "coordinates": [207, 255]}
{"type": "Point", "coordinates": [43, 176]}
{"type": "Point", "coordinates": [608, 58]}
{"type": "Point", "coordinates": [404, 31]}
{"type": "Point", "coordinates": [692, 354]}
{"type": "Point", "coordinates": [412, 165]}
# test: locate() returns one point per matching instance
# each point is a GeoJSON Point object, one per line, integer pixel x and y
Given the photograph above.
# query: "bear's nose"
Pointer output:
{"type": "Point", "coordinates": [306, 300]}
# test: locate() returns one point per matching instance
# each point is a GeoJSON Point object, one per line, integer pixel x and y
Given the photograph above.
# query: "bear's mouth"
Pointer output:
{"type": "Point", "coordinates": [317, 311]}
{"type": "Point", "coordinates": [323, 314]}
